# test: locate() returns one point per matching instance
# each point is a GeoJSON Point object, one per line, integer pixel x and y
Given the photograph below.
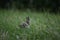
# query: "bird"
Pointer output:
{"type": "Point", "coordinates": [26, 23]}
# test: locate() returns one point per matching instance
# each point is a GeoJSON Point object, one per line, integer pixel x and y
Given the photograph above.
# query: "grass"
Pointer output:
{"type": "Point", "coordinates": [43, 26]}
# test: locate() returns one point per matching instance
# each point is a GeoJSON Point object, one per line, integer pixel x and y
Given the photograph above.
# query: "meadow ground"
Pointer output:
{"type": "Point", "coordinates": [43, 26]}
